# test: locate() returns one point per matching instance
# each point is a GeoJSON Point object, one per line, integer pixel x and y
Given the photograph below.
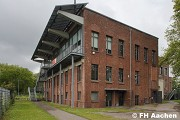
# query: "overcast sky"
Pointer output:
{"type": "Point", "coordinates": [22, 23]}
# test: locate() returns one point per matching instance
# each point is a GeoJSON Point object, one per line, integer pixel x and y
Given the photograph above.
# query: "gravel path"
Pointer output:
{"type": "Point", "coordinates": [171, 107]}
{"type": "Point", "coordinates": [59, 114]}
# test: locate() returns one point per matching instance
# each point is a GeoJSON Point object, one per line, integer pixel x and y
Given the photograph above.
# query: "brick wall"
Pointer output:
{"type": "Point", "coordinates": [118, 31]}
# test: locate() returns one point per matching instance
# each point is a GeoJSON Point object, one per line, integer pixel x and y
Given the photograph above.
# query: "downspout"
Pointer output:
{"type": "Point", "coordinates": [130, 64]}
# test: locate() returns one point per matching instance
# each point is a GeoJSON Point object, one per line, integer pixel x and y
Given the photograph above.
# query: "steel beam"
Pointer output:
{"type": "Point", "coordinates": [59, 33]}
{"type": "Point", "coordinates": [39, 56]}
{"type": "Point", "coordinates": [45, 51]}
{"type": "Point", "coordinates": [72, 17]}
{"type": "Point", "coordinates": [55, 45]}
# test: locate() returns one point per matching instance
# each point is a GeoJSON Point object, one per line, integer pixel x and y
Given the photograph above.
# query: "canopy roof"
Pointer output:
{"type": "Point", "coordinates": [56, 31]}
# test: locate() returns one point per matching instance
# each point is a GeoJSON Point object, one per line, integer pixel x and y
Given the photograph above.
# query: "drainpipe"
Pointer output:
{"type": "Point", "coordinates": [130, 64]}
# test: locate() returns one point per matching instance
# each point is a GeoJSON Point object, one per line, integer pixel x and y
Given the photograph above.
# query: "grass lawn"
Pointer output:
{"type": "Point", "coordinates": [177, 101]}
{"type": "Point", "coordinates": [90, 113]}
{"type": "Point", "coordinates": [26, 110]}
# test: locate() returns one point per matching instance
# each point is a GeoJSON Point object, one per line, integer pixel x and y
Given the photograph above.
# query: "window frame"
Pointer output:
{"type": "Point", "coordinates": [93, 38]}
{"type": "Point", "coordinates": [137, 78]}
{"type": "Point", "coordinates": [108, 74]}
{"type": "Point", "coordinates": [145, 55]}
{"type": "Point", "coordinates": [79, 73]}
{"type": "Point", "coordinates": [66, 95]}
{"type": "Point", "coordinates": [137, 52]}
{"type": "Point", "coordinates": [95, 67]}
{"type": "Point", "coordinates": [153, 57]}
{"type": "Point", "coordinates": [166, 71]}
{"type": "Point", "coordinates": [97, 99]}
{"type": "Point", "coordinates": [121, 48]}
{"type": "Point", "coordinates": [121, 75]}
{"type": "Point", "coordinates": [79, 95]}
{"type": "Point", "coordinates": [108, 40]}
{"type": "Point", "coordinates": [66, 77]}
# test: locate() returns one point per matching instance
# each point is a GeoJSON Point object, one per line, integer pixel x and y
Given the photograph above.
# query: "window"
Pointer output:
{"type": "Point", "coordinates": [165, 71]}
{"type": "Point", "coordinates": [66, 77]}
{"type": "Point", "coordinates": [136, 52]}
{"type": "Point", "coordinates": [136, 99]}
{"type": "Point", "coordinates": [62, 79]}
{"type": "Point", "coordinates": [66, 95]}
{"type": "Point", "coordinates": [146, 55]}
{"type": "Point", "coordinates": [137, 77]}
{"type": "Point", "coordinates": [79, 37]}
{"type": "Point", "coordinates": [94, 41]}
{"type": "Point", "coordinates": [121, 75]}
{"type": "Point", "coordinates": [79, 95]}
{"type": "Point", "coordinates": [108, 73]}
{"type": "Point", "coordinates": [94, 96]}
{"type": "Point", "coordinates": [79, 73]}
{"type": "Point", "coordinates": [161, 70]}
{"type": "Point", "coordinates": [94, 72]}
{"type": "Point", "coordinates": [153, 57]}
{"type": "Point", "coordinates": [108, 45]}
{"type": "Point", "coordinates": [121, 48]}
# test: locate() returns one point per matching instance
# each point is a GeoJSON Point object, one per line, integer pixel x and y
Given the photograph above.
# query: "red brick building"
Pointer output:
{"type": "Point", "coordinates": [98, 61]}
{"type": "Point", "coordinates": [165, 81]}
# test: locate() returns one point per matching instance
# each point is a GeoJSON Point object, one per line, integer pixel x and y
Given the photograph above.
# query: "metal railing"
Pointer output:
{"type": "Point", "coordinates": [4, 100]}
{"type": "Point", "coordinates": [69, 50]}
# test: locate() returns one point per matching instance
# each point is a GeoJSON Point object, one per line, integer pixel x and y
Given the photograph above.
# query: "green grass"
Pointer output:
{"type": "Point", "coordinates": [165, 101]}
{"type": "Point", "coordinates": [90, 113]}
{"type": "Point", "coordinates": [178, 101]}
{"type": "Point", "coordinates": [26, 110]}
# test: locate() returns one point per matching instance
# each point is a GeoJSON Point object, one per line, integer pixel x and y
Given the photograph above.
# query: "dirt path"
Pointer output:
{"type": "Point", "coordinates": [59, 114]}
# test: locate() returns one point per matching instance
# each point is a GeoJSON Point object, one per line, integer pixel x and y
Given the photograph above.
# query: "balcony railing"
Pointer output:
{"type": "Point", "coordinates": [73, 49]}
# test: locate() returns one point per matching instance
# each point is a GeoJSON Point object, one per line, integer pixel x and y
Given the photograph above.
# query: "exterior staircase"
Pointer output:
{"type": "Point", "coordinates": [32, 94]}
{"type": "Point", "coordinates": [170, 95]}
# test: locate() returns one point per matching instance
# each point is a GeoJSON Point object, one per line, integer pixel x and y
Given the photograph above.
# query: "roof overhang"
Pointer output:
{"type": "Point", "coordinates": [57, 30]}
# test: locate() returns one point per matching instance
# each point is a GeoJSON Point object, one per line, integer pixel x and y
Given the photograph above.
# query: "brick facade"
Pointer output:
{"type": "Point", "coordinates": [114, 92]}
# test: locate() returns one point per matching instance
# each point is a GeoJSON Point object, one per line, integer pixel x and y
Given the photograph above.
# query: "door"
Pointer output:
{"type": "Point", "coordinates": [109, 98]}
{"type": "Point", "coordinates": [121, 98]}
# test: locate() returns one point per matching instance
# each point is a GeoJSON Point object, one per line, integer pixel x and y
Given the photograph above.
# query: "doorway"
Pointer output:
{"type": "Point", "coordinates": [121, 98]}
{"type": "Point", "coordinates": [108, 98]}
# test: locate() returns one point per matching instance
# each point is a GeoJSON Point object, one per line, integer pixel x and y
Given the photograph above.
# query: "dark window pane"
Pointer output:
{"type": "Point", "coordinates": [136, 52]}
{"type": "Point", "coordinates": [94, 72]}
{"type": "Point", "coordinates": [121, 48]}
{"type": "Point", "coordinates": [94, 41]}
{"type": "Point", "coordinates": [121, 75]}
{"type": "Point", "coordinates": [109, 73]}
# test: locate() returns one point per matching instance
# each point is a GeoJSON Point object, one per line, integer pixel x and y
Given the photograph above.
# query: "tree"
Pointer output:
{"type": "Point", "coordinates": [10, 75]}
{"type": "Point", "coordinates": [172, 53]}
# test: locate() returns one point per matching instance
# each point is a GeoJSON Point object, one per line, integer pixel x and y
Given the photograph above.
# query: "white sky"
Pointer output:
{"type": "Point", "coordinates": [22, 23]}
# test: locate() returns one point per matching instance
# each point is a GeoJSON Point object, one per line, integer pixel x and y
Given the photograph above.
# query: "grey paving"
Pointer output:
{"type": "Point", "coordinates": [59, 114]}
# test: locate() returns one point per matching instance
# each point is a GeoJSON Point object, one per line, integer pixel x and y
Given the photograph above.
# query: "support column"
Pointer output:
{"type": "Point", "coordinates": [46, 89]}
{"type": "Point", "coordinates": [72, 84]}
{"type": "Point", "coordinates": [52, 92]}
{"type": "Point", "coordinates": [60, 89]}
